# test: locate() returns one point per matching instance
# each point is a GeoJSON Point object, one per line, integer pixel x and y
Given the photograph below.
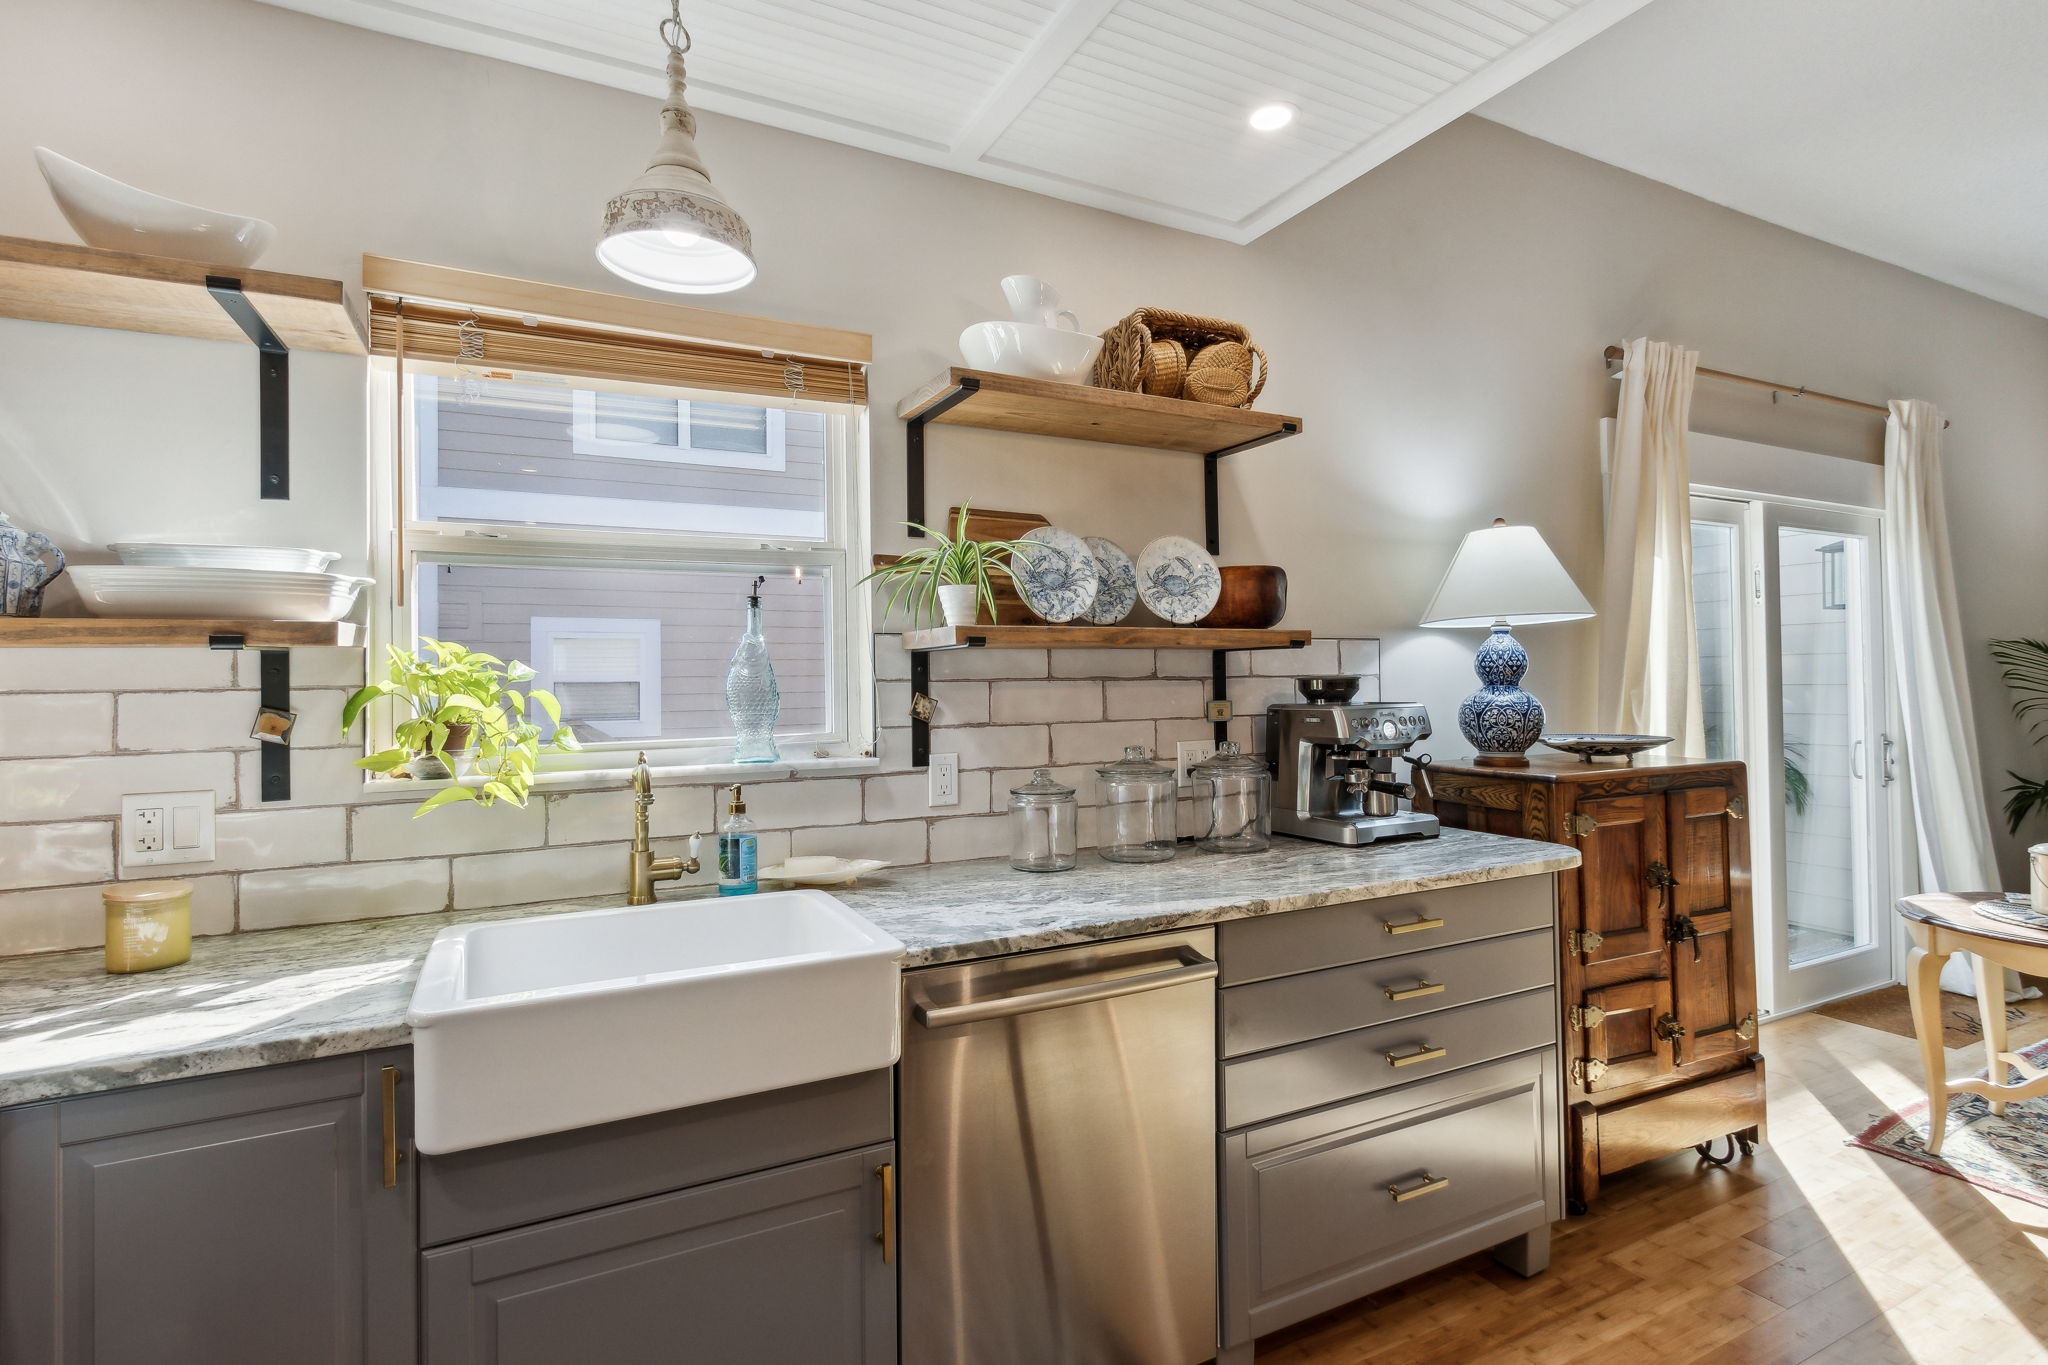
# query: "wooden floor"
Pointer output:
{"type": "Point", "coordinates": [1810, 1251]}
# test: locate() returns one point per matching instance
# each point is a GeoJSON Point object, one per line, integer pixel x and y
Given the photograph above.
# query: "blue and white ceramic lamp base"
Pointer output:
{"type": "Point", "coordinates": [1500, 720]}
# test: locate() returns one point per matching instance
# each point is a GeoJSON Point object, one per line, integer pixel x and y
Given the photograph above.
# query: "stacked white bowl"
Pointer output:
{"type": "Point", "coordinates": [250, 582]}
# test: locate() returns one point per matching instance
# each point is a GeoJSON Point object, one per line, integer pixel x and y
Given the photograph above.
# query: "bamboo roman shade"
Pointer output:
{"type": "Point", "coordinates": [493, 322]}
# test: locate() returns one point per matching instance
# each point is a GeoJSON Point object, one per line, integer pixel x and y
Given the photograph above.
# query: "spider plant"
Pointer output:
{"type": "Point", "coordinates": [916, 577]}
{"type": "Point", "coordinates": [2025, 672]}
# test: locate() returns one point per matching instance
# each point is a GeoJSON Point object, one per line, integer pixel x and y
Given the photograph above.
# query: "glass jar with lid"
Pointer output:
{"type": "Point", "coordinates": [1045, 825]}
{"type": "Point", "coordinates": [1139, 814]}
{"type": "Point", "coordinates": [1238, 790]}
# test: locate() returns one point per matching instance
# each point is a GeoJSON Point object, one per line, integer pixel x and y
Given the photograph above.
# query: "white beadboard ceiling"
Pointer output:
{"type": "Point", "coordinates": [1135, 106]}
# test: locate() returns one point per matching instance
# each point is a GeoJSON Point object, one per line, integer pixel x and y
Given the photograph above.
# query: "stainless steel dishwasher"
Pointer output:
{"type": "Point", "coordinates": [1058, 1155]}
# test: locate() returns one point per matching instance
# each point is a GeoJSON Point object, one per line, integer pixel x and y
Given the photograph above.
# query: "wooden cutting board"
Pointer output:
{"type": "Point", "coordinates": [987, 524]}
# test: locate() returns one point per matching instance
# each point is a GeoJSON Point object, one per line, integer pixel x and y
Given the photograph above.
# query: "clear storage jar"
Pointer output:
{"type": "Point", "coordinates": [1138, 818]}
{"type": "Point", "coordinates": [149, 925]}
{"type": "Point", "coordinates": [1045, 825]}
{"type": "Point", "coordinates": [1238, 790]}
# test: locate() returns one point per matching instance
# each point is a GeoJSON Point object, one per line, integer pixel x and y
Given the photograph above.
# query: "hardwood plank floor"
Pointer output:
{"type": "Point", "coordinates": [1811, 1251]}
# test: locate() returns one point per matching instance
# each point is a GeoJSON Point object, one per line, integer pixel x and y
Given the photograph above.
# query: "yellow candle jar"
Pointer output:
{"type": "Point", "coordinates": [149, 925]}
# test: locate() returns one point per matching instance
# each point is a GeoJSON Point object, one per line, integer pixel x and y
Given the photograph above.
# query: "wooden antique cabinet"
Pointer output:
{"type": "Point", "coordinates": [1658, 971]}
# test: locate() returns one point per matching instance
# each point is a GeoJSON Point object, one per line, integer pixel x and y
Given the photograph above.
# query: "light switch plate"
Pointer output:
{"type": "Point", "coordinates": [1188, 753]}
{"type": "Point", "coordinates": [943, 780]}
{"type": "Point", "coordinates": [166, 827]}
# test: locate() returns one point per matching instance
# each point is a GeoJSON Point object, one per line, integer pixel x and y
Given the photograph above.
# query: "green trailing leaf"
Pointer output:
{"type": "Point", "coordinates": [446, 796]}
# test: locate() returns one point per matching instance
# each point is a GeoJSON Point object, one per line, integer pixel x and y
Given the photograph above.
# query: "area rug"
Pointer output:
{"type": "Point", "coordinates": [2008, 1154]}
{"type": "Point", "coordinates": [1889, 1010]}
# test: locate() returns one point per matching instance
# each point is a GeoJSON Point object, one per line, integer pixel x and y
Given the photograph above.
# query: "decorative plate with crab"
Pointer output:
{"type": "Point", "coordinates": [1178, 580]}
{"type": "Point", "coordinates": [1058, 577]}
{"type": "Point", "coordinates": [1118, 592]}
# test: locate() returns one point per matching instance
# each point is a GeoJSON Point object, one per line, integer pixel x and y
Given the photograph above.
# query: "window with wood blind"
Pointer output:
{"type": "Point", "coordinates": [570, 485]}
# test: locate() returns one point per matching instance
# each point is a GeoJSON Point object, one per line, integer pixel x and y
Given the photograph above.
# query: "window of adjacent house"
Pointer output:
{"type": "Point", "coordinates": [607, 532]}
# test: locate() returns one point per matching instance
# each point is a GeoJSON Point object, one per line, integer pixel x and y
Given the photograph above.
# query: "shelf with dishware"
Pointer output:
{"type": "Point", "coordinates": [92, 287]}
{"type": "Point", "coordinates": [1099, 637]}
{"type": "Point", "coordinates": [90, 632]}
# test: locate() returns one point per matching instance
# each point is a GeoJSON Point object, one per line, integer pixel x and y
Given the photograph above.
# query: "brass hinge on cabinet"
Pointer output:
{"type": "Point", "coordinates": [1738, 809]}
{"type": "Point", "coordinates": [1581, 825]}
{"type": "Point", "coordinates": [1588, 1070]}
{"type": "Point", "coordinates": [1669, 1029]}
{"type": "Point", "coordinates": [1587, 1016]}
{"type": "Point", "coordinates": [1583, 940]}
{"type": "Point", "coordinates": [1746, 1030]}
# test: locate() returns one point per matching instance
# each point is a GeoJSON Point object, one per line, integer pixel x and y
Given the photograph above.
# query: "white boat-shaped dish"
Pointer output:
{"type": "Point", "coordinates": [1031, 351]}
{"type": "Point", "coordinates": [249, 594]}
{"type": "Point", "coordinates": [119, 217]}
{"type": "Point", "coordinates": [273, 557]}
{"type": "Point", "coordinates": [812, 872]}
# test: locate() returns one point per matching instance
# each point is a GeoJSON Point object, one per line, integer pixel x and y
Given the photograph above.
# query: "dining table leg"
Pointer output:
{"type": "Point", "coordinates": [1991, 1012]}
{"type": "Point", "coordinates": [1923, 990]}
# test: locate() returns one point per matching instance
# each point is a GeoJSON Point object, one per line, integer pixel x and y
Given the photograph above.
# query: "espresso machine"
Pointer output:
{"type": "Point", "coordinates": [1333, 762]}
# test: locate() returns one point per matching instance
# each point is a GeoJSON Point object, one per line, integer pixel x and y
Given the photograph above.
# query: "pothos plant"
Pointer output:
{"type": "Point", "coordinates": [457, 698]}
{"type": "Point", "coordinates": [2026, 673]}
{"type": "Point", "coordinates": [957, 559]}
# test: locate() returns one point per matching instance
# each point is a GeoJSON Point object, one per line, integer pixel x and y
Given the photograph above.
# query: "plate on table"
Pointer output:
{"type": "Point", "coordinates": [1058, 577]}
{"type": "Point", "coordinates": [1178, 580]}
{"type": "Point", "coordinates": [1590, 747]}
{"type": "Point", "coordinates": [1118, 590]}
{"type": "Point", "coordinates": [819, 871]}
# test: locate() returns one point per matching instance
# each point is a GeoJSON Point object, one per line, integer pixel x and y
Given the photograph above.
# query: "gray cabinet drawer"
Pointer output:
{"type": "Point", "coordinates": [1310, 1222]}
{"type": "Point", "coordinates": [1359, 931]}
{"type": "Point", "coordinates": [1265, 1085]}
{"type": "Point", "coordinates": [1294, 1009]}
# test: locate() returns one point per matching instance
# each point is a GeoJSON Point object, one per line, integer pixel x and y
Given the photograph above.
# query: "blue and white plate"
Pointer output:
{"type": "Point", "coordinates": [1058, 577]}
{"type": "Point", "coordinates": [1178, 580]}
{"type": "Point", "coordinates": [1118, 592]}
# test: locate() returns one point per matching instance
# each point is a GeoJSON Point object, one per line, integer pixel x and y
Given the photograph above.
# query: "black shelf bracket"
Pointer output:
{"type": "Point", "coordinates": [274, 720]}
{"type": "Point", "coordinates": [913, 452]}
{"type": "Point", "coordinates": [1212, 516]}
{"type": "Point", "coordinates": [920, 727]}
{"type": "Point", "coordinates": [273, 387]}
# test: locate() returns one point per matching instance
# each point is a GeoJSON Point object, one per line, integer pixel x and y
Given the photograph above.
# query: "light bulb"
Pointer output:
{"type": "Point", "coordinates": [1269, 118]}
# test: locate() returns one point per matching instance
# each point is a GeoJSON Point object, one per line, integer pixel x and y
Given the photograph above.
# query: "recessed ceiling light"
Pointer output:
{"type": "Point", "coordinates": [1268, 117]}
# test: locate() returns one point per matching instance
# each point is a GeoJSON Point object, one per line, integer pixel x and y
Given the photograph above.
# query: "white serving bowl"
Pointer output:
{"type": "Point", "coordinates": [180, 591]}
{"type": "Point", "coordinates": [107, 213]}
{"type": "Point", "coordinates": [275, 557]}
{"type": "Point", "coordinates": [1031, 351]}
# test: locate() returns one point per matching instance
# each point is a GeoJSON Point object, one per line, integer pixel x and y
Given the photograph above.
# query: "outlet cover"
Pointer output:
{"type": "Point", "coordinates": [943, 780]}
{"type": "Point", "coordinates": [166, 827]}
{"type": "Point", "coordinates": [1189, 752]}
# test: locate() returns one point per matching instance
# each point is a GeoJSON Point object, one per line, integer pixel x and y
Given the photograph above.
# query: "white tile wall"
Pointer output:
{"type": "Point", "coordinates": [81, 728]}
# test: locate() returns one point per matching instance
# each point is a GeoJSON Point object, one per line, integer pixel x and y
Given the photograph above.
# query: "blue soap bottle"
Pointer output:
{"type": "Point", "coordinates": [739, 850]}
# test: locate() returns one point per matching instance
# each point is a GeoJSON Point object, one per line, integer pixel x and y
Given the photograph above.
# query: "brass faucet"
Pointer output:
{"type": "Point", "coordinates": [646, 868]}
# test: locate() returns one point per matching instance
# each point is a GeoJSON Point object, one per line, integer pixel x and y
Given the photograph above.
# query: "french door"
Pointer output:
{"type": "Point", "coordinates": [1791, 625]}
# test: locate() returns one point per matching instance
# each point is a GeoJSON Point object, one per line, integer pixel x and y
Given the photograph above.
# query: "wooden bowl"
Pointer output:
{"type": "Point", "coordinates": [1254, 598]}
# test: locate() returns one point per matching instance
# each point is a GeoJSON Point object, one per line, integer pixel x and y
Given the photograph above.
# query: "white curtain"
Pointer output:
{"type": "Point", "coordinates": [1945, 781]}
{"type": "Point", "coordinates": [1649, 652]}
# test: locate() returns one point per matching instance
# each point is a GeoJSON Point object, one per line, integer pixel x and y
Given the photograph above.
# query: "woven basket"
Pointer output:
{"type": "Point", "coordinates": [1231, 366]}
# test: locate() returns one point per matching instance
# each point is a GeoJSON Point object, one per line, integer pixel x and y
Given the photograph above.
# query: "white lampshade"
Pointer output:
{"type": "Point", "coordinates": [1505, 573]}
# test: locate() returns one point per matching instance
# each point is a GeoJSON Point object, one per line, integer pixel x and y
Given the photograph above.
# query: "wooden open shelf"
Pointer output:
{"type": "Point", "coordinates": [91, 287]}
{"type": "Point", "coordinates": [1003, 402]}
{"type": "Point", "coordinates": [89, 631]}
{"type": "Point", "coordinates": [1099, 637]}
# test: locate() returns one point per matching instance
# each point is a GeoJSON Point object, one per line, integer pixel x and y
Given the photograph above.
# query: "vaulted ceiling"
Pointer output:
{"type": "Point", "coordinates": [1135, 106]}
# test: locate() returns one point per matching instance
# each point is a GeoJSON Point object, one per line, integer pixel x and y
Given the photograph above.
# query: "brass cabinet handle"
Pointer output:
{"type": "Point", "coordinates": [1430, 1185]}
{"type": "Point", "coordinates": [388, 1079]}
{"type": "Point", "coordinates": [1425, 1053]}
{"type": "Point", "coordinates": [1414, 926]}
{"type": "Point", "coordinates": [886, 1173]}
{"type": "Point", "coordinates": [1416, 991]}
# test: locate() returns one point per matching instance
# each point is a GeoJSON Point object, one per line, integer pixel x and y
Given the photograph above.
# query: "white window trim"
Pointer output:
{"type": "Point", "coordinates": [583, 438]}
{"type": "Point", "coordinates": [646, 633]}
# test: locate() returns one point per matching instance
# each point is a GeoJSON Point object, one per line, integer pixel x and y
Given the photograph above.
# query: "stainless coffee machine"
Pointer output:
{"type": "Point", "coordinates": [1333, 762]}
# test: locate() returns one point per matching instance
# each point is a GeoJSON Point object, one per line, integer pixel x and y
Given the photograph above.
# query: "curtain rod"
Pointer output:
{"type": "Point", "coordinates": [1614, 353]}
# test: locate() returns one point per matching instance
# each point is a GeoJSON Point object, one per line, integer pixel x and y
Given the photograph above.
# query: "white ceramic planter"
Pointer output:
{"type": "Point", "coordinates": [957, 603]}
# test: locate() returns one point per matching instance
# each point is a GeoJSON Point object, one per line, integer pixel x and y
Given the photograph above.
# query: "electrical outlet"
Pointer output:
{"type": "Point", "coordinates": [1189, 752]}
{"type": "Point", "coordinates": [166, 827]}
{"type": "Point", "coordinates": [943, 780]}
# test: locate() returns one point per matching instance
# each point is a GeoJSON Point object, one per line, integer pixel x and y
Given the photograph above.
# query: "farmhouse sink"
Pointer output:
{"type": "Point", "coordinates": [540, 1025]}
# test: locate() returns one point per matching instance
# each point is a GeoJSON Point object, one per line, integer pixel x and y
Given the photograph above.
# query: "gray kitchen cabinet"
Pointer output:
{"type": "Point", "coordinates": [790, 1266]}
{"type": "Point", "coordinates": [253, 1218]}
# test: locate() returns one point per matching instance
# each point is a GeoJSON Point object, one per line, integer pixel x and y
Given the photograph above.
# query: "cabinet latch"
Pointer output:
{"type": "Point", "coordinates": [1581, 825]}
{"type": "Point", "coordinates": [1746, 1030]}
{"type": "Point", "coordinates": [1738, 809]}
{"type": "Point", "coordinates": [1584, 940]}
{"type": "Point", "coordinates": [1587, 1071]}
{"type": "Point", "coordinates": [1587, 1016]}
{"type": "Point", "coordinates": [1669, 1029]}
{"type": "Point", "coordinates": [1680, 928]}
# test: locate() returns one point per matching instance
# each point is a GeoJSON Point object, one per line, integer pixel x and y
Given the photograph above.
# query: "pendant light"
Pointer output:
{"type": "Point", "coordinates": [671, 228]}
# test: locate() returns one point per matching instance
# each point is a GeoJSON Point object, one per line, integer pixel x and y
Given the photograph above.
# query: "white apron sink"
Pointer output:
{"type": "Point", "coordinates": [540, 1025]}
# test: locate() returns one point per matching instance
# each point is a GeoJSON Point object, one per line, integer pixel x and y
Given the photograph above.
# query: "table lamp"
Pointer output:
{"type": "Point", "coordinates": [1503, 576]}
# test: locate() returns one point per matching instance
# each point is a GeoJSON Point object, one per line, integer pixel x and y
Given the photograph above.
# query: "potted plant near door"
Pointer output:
{"type": "Point", "coordinates": [460, 706]}
{"type": "Point", "coordinates": [953, 571]}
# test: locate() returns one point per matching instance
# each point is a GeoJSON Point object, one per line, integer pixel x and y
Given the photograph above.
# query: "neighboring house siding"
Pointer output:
{"type": "Point", "coordinates": [701, 616]}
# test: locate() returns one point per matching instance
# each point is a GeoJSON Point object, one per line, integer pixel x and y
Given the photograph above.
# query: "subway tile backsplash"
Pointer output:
{"type": "Point", "coordinates": [79, 728]}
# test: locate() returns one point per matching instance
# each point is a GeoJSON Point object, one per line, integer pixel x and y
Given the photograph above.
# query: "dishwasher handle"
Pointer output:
{"type": "Point", "coordinates": [1192, 967]}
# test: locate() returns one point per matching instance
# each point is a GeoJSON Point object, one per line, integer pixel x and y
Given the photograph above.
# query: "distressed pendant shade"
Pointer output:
{"type": "Point", "coordinates": [671, 229]}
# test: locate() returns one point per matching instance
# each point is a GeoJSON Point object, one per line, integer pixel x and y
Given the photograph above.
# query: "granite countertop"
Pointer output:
{"type": "Point", "coordinates": [254, 999]}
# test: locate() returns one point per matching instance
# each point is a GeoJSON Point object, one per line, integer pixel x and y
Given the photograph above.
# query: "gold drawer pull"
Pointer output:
{"type": "Point", "coordinates": [1425, 1053]}
{"type": "Point", "coordinates": [886, 1173]}
{"type": "Point", "coordinates": [1416, 991]}
{"type": "Point", "coordinates": [387, 1081]}
{"type": "Point", "coordinates": [1414, 926]}
{"type": "Point", "coordinates": [1430, 1185]}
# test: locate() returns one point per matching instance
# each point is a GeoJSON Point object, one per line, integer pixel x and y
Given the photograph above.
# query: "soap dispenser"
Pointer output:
{"type": "Point", "coordinates": [739, 850]}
